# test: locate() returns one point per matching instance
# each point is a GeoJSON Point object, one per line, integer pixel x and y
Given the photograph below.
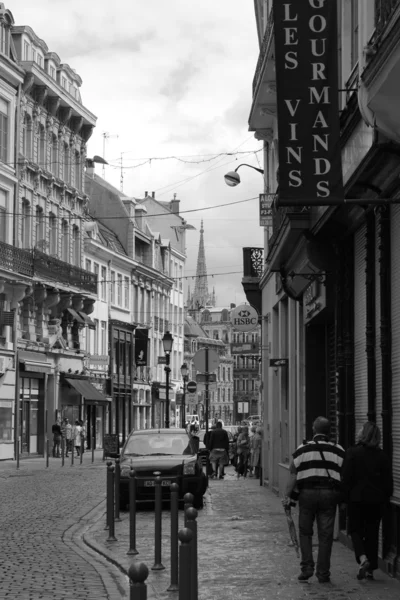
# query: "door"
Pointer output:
{"type": "Point", "coordinates": [24, 424]}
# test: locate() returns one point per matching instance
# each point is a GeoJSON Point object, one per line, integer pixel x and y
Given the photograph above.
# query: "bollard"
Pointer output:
{"type": "Point", "coordinates": [138, 574]}
{"type": "Point", "coordinates": [110, 505]}
{"type": "Point", "coordinates": [185, 537]}
{"type": "Point", "coordinates": [174, 537]}
{"type": "Point", "coordinates": [188, 499]}
{"type": "Point", "coordinates": [92, 441]}
{"type": "Point", "coordinates": [17, 448]}
{"type": "Point", "coordinates": [72, 453]}
{"type": "Point", "coordinates": [47, 453]}
{"type": "Point", "coordinates": [117, 484]}
{"type": "Point", "coordinates": [109, 463]}
{"type": "Point", "coordinates": [81, 452]}
{"type": "Point", "coordinates": [158, 566]}
{"type": "Point", "coordinates": [191, 515]}
{"type": "Point", "coordinates": [132, 513]}
{"type": "Point", "coordinates": [62, 451]}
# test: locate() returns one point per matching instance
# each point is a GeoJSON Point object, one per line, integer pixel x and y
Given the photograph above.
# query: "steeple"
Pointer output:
{"type": "Point", "coordinates": [201, 298]}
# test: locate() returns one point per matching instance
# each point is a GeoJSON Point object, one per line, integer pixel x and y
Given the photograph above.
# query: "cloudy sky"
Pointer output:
{"type": "Point", "coordinates": [169, 78]}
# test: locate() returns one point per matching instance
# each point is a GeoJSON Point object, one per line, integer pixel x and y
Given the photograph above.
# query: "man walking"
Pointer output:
{"type": "Point", "coordinates": [316, 469]}
{"type": "Point", "coordinates": [66, 430]}
{"type": "Point", "coordinates": [56, 431]}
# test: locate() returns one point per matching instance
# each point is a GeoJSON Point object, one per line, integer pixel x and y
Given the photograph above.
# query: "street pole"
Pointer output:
{"type": "Point", "coordinates": [206, 386]}
{"type": "Point", "coordinates": [167, 372]}
{"type": "Point", "coordinates": [183, 407]}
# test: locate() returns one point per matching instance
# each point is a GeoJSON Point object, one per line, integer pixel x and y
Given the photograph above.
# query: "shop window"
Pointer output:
{"type": "Point", "coordinates": [5, 420]}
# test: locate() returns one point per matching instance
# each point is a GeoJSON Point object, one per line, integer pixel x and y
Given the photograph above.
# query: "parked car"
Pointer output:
{"type": "Point", "coordinates": [169, 451]}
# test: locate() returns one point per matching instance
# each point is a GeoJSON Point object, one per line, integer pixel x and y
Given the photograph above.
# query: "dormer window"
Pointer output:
{"type": "Point", "coordinates": [40, 60]}
{"type": "Point", "coordinates": [64, 82]}
{"type": "Point", "coordinates": [26, 51]}
{"type": "Point", "coordinates": [52, 72]}
{"type": "Point", "coordinates": [4, 39]}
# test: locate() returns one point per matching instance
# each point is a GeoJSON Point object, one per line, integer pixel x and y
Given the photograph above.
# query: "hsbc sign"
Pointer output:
{"type": "Point", "coordinates": [244, 318]}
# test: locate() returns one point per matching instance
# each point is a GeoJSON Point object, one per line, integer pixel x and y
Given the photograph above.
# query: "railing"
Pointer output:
{"type": "Point", "coordinates": [263, 50]}
{"type": "Point", "coordinates": [279, 216]}
{"type": "Point", "coordinates": [49, 267]}
{"type": "Point", "coordinates": [16, 260]}
{"type": "Point", "coordinates": [253, 262]}
{"type": "Point", "coordinates": [384, 10]}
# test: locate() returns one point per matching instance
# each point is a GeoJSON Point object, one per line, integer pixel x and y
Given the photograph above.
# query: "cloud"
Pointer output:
{"type": "Point", "coordinates": [178, 81]}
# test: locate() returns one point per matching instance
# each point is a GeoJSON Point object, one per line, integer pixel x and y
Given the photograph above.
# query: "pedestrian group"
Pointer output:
{"type": "Point", "coordinates": [71, 436]}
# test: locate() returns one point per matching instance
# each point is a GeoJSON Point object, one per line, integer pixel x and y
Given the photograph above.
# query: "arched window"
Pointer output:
{"type": "Point", "coordinates": [54, 165]}
{"type": "Point", "coordinates": [40, 240]}
{"type": "Point", "coordinates": [42, 148]}
{"type": "Point", "coordinates": [28, 136]}
{"type": "Point", "coordinates": [26, 224]}
{"type": "Point", "coordinates": [76, 246]}
{"type": "Point", "coordinates": [53, 234]}
{"type": "Point", "coordinates": [66, 175]}
{"type": "Point", "coordinates": [64, 241]}
{"type": "Point", "coordinates": [78, 171]}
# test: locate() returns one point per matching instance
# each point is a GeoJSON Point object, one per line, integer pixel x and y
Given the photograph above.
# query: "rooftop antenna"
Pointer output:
{"type": "Point", "coordinates": [106, 136]}
{"type": "Point", "coordinates": [121, 180]}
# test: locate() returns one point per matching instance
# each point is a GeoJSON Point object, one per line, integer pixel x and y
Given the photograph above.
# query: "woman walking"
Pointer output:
{"type": "Point", "coordinates": [243, 451]}
{"type": "Point", "coordinates": [368, 484]}
{"type": "Point", "coordinates": [256, 442]}
{"type": "Point", "coordinates": [77, 437]}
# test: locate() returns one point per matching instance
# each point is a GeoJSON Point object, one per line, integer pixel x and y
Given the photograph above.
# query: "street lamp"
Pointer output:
{"type": "Point", "coordinates": [233, 178]}
{"type": "Point", "coordinates": [167, 341]}
{"type": "Point", "coordinates": [185, 377]}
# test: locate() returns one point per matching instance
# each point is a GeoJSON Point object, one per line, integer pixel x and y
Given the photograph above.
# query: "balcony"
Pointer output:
{"type": "Point", "coordinates": [253, 267]}
{"type": "Point", "coordinates": [48, 267]}
{"type": "Point", "coordinates": [380, 81]}
{"type": "Point", "coordinates": [16, 260]}
{"type": "Point", "coordinates": [263, 109]}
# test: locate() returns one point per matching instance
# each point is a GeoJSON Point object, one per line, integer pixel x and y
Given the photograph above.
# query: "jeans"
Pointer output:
{"type": "Point", "coordinates": [364, 521]}
{"type": "Point", "coordinates": [56, 447]}
{"type": "Point", "coordinates": [317, 504]}
{"type": "Point", "coordinates": [242, 464]}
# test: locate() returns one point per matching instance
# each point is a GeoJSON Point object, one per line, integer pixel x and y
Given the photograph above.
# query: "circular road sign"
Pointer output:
{"type": "Point", "coordinates": [199, 360]}
{"type": "Point", "coordinates": [244, 318]}
{"type": "Point", "coordinates": [191, 387]}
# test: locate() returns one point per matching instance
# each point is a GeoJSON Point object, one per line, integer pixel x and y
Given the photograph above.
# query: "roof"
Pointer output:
{"type": "Point", "coordinates": [110, 187]}
{"type": "Point", "coordinates": [110, 239]}
{"type": "Point", "coordinates": [192, 328]}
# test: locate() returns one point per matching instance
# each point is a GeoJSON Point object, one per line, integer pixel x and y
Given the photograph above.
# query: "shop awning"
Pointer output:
{"type": "Point", "coordinates": [76, 316]}
{"type": "Point", "coordinates": [35, 362]}
{"type": "Point", "coordinates": [87, 320]}
{"type": "Point", "coordinates": [87, 390]}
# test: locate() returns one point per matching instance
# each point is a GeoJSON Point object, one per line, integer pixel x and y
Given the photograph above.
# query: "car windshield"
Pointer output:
{"type": "Point", "coordinates": [158, 444]}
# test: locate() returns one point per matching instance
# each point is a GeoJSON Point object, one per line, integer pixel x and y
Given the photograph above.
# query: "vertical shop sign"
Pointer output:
{"type": "Point", "coordinates": [306, 58]}
{"type": "Point", "coordinates": [141, 344]}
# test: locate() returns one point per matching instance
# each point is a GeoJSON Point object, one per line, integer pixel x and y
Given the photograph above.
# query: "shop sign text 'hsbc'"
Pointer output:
{"type": "Point", "coordinates": [244, 318]}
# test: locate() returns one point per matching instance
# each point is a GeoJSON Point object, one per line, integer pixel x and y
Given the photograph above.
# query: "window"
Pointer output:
{"type": "Point", "coordinates": [33, 55]}
{"type": "Point", "coordinates": [3, 130]}
{"type": "Point", "coordinates": [119, 289]}
{"type": "Point", "coordinates": [66, 164]}
{"type": "Point", "coordinates": [26, 51]}
{"type": "Point", "coordinates": [88, 265]}
{"type": "Point", "coordinates": [103, 292]}
{"type": "Point", "coordinates": [3, 215]}
{"type": "Point", "coordinates": [42, 147]}
{"type": "Point", "coordinates": [26, 224]}
{"type": "Point", "coordinates": [180, 278]}
{"type": "Point", "coordinates": [40, 235]}
{"type": "Point", "coordinates": [229, 394]}
{"type": "Point", "coordinates": [64, 241]}
{"type": "Point", "coordinates": [40, 60]}
{"type": "Point", "coordinates": [4, 40]}
{"type": "Point", "coordinates": [103, 342]}
{"type": "Point", "coordinates": [96, 269]}
{"type": "Point", "coordinates": [112, 288]}
{"type": "Point", "coordinates": [76, 241]}
{"type": "Point", "coordinates": [64, 82]}
{"type": "Point", "coordinates": [126, 295]}
{"type": "Point", "coordinates": [52, 72]}
{"type": "Point", "coordinates": [96, 337]}
{"type": "Point", "coordinates": [54, 156]}
{"type": "Point", "coordinates": [53, 233]}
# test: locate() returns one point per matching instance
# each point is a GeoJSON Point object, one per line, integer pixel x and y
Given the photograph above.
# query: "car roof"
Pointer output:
{"type": "Point", "coordinates": [161, 430]}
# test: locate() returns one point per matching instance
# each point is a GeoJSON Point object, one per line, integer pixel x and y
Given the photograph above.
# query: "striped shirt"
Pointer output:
{"type": "Point", "coordinates": [311, 468]}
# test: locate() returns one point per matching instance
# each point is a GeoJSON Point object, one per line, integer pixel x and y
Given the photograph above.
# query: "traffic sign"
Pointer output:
{"type": "Point", "coordinates": [201, 377]}
{"type": "Point", "coordinates": [244, 318]}
{"type": "Point", "coordinates": [278, 362]}
{"type": "Point", "coordinates": [200, 360]}
{"type": "Point", "coordinates": [162, 360]}
{"type": "Point", "coordinates": [191, 387]}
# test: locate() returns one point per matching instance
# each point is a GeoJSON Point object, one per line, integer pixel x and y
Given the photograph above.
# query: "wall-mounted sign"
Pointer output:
{"type": "Point", "coordinates": [314, 300]}
{"type": "Point", "coordinates": [243, 407]}
{"type": "Point", "coordinates": [266, 209]}
{"type": "Point", "coordinates": [244, 318]}
{"type": "Point", "coordinates": [306, 66]}
{"type": "Point", "coordinates": [162, 360]}
{"type": "Point", "coordinates": [278, 362]}
{"type": "Point", "coordinates": [141, 345]}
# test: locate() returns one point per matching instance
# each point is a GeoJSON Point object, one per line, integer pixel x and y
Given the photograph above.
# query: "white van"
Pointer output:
{"type": "Point", "coordinates": [193, 419]}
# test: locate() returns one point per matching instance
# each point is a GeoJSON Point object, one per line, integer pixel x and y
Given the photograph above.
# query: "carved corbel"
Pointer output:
{"type": "Point", "coordinates": [77, 303]}
{"type": "Point", "coordinates": [65, 302]}
{"type": "Point", "coordinates": [28, 83]}
{"type": "Point", "coordinates": [19, 292]}
{"type": "Point", "coordinates": [72, 140]}
{"type": "Point", "coordinates": [61, 132]}
{"type": "Point", "coordinates": [76, 124]}
{"type": "Point", "coordinates": [51, 302]}
{"type": "Point", "coordinates": [66, 114]}
{"type": "Point", "coordinates": [53, 105]}
{"type": "Point", "coordinates": [88, 306]}
{"type": "Point", "coordinates": [40, 294]}
{"type": "Point", "coordinates": [87, 131]}
{"type": "Point", "coordinates": [41, 95]}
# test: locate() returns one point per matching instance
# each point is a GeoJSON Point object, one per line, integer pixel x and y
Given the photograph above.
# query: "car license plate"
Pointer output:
{"type": "Point", "coordinates": [151, 483]}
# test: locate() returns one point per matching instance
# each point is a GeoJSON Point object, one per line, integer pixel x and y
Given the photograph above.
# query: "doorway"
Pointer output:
{"type": "Point", "coordinates": [31, 416]}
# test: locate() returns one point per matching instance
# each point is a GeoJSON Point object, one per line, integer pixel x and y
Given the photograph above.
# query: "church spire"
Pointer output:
{"type": "Point", "coordinates": [200, 298]}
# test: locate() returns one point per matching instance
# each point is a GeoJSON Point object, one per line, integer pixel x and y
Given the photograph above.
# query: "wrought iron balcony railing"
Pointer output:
{"type": "Point", "coordinates": [384, 10]}
{"type": "Point", "coordinates": [16, 260]}
{"type": "Point", "coordinates": [263, 51]}
{"type": "Point", "coordinates": [50, 267]}
{"type": "Point", "coordinates": [253, 262]}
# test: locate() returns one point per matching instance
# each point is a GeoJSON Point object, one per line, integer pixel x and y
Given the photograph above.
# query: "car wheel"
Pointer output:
{"type": "Point", "coordinates": [198, 502]}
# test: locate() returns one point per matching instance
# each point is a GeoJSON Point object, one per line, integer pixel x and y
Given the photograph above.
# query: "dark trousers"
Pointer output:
{"type": "Point", "coordinates": [317, 504]}
{"type": "Point", "coordinates": [242, 464]}
{"type": "Point", "coordinates": [56, 447]}
{"type": "Point", "coordinates": [364, 521]}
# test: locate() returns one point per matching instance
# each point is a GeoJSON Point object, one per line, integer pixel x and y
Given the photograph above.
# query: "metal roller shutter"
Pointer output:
{"type": "Point", "coordinates": [395, 295]}
{"type": "Point", "coordinates": [360, 323]}
{"type": "Point", "coordinates": [378, 354]}
{"type": "Point", "coordinates": [332, 383]}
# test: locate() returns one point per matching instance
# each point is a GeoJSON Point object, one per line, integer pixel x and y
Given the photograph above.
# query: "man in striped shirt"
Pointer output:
{"type": "Point", "coordinates": [315, 470]}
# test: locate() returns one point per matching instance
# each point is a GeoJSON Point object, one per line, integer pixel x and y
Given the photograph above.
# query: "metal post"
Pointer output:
{"type": "Point", "coordinates": [206, 386]}
{"type": "Point", "coordinates": [47, 453]}
{"type": "Point", "coordinates": [167, 372]}
{"type": "Point", "coordinates": [185, 538]}
{"type": "Point", "coordinates": [158, 566]}
{"type": "Point", "coordinates": [72, 451]}
{"type": "Point", "coordinates": [188, 500]}
{"type": "Point", "coordinates": [117, 484]}
{"type": "Point", "coordinates": [109, 463]}
{"type": "Point", "coordinates": [81, 452]}
{"type": "Point", "coordinates": [132, 513]}
{"type": "Point", "coordinates": [183, 407]}
{"type": "Point", "coordinates": [93, 433]}
{"type": "Point", "coordinates": [191, 514]}
{"type": "Point", "coordinates": [18, 444]}
{"type": "Point", "coordinates": [62, 451]}
{"type": "Point", "coordinates": [110, 504]}
{"type": "Point", "coordinates": [138, 574]}
{"type": "Point", "coordinates": [174, 537]}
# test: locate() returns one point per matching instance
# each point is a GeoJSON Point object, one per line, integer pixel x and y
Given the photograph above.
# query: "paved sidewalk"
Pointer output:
{"type": "Point", "coordinates": [244, 551]}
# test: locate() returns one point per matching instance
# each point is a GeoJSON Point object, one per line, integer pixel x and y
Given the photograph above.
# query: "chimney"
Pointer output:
{"type": "Point", "coordinates": [233, 306]}
{"type": "Point", "coordinates": [90, 168]}
{"type": "Point", "coordinates": [145, 194]}
{"type": "Point", "coordinates": [174, 205]}
{"type": "Point", "coordinates": [153, 194]}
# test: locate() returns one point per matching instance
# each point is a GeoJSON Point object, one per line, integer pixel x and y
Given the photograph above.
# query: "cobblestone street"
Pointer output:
{"type": "Point", "coordinates": [54, 543]}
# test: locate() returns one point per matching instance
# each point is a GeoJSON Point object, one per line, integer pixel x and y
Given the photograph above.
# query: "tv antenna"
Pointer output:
{"type": "Point", "coordinates": [106, 136]}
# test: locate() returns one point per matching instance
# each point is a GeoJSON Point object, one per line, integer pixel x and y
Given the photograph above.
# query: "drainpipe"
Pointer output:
{"type": "Point", "coordinates": [17, 131]}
